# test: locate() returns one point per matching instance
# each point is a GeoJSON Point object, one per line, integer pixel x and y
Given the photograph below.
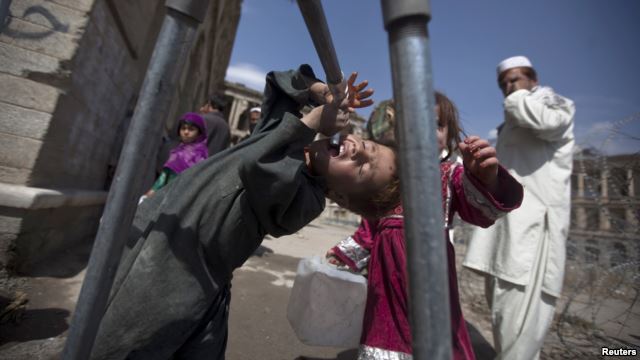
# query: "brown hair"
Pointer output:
{"type": "Point", "coordinates": [448, 114]}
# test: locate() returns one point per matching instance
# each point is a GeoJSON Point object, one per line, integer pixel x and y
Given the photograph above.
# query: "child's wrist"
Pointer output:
{"type": "Point", "coordinates": [312, 119]}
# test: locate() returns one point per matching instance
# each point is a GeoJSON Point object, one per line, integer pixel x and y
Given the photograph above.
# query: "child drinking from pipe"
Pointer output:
{"type": "Point", "coordinates": [171, 294]}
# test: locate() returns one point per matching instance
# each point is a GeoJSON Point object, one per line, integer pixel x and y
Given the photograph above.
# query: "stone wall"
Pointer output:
{"type": "Point", "coordinates": [208, 61]}
{"type": "Point", "coordinates": [70, 72]}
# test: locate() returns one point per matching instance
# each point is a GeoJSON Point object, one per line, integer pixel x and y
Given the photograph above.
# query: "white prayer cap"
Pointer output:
{"type": "Point", "coordinates": [513, 62]}
{"type": "Point", "coordinates": [255, 109]}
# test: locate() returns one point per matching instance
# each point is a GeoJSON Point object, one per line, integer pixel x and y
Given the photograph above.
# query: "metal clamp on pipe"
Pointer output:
{"type": "Point", "coordinates": [396, 10]}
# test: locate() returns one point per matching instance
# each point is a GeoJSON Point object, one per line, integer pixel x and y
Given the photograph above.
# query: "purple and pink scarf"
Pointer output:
{"type": "Point", "coordinates": [184, 155]}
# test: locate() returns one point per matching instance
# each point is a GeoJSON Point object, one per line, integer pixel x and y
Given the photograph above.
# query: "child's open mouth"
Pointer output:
{"type": "Point", "coordinates": [336, 149]}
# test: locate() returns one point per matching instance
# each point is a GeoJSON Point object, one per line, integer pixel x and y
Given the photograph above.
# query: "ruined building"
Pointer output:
{"type": "Point", "coordinates": [605, 209]}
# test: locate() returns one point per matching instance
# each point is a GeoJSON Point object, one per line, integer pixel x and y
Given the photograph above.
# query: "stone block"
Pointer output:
{"type": "Point", "coordinates": [82, 5]}
{"type": "Point", "coordinates": [19, 121]}
{"type": "Point", "coordinates": [79, 142]}
{"type": "Point", "coordinates": [50, 15]}
{"type": "Point", "coordinates": [103, 19]}
{"type": "Point", "coordinates": [7, 252]}
{"type": "Point", "coordinates": [34, 66]}
{"type": "Point", "coordinates": [49, 231]}
{"type": "Point", "coordinates": [39, 39]}
{"type": "Point", "coordinates": [96, 65]}
{"type": "Point", "coordinates": [10, 175]}
{"type": "Point", "coordinates": [28, 94]}
{"type": "Point", "coordinates": [21, 62]}
{"type": "Point", "coordinates": [135, 19]}
{"type": "Point", "coordinates": [26, 197]}
{"type": "Point", "coordinates": [10, 220]}
{"type": "Point", "coordinates": [10, 225]}
{"type": "Point", "coordinates": [18, 152]}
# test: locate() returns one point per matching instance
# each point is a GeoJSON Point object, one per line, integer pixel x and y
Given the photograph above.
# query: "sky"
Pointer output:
{"type": "Point", "coordinates": [586, 50]}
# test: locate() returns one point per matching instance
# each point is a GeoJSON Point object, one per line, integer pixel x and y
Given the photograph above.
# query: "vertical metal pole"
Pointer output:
{"type": "Point", "coordinates": [405, 22]}
{"type": "Point", "coordinates": [170, 52]}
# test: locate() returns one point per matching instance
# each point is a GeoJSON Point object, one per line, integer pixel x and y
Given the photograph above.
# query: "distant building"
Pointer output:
{"type": "Point", "coordinates": [241, 100]}
{"type": "Point", "coordinates": [70, 73]}
{"type": "Point", "coordinates": [605, 209]}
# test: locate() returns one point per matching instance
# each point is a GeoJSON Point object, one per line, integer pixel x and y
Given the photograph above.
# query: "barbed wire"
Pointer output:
{"type": "Point", "coordinates": [600, 281]}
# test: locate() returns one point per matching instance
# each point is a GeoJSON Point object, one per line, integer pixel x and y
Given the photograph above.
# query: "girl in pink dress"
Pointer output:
{"type": "Point", "coordinates": [479, 190]}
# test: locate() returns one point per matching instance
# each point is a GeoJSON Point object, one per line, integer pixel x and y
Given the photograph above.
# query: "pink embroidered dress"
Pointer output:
{"type": "Point", "coordinates": [379, 246]}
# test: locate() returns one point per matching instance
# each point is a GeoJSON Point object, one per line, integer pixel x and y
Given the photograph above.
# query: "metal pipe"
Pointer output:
{"type": "Point", "coordinates": [313, 15]}
{"type": "Point", "coordinates": [4, 13]}
{"type": "Point", "coordinates": [171, 49]}
{"type": "Point", "coordinates": [405, 22]}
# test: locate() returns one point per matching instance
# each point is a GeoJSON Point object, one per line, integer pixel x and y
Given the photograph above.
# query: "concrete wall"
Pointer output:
{"type": "Point", "coordinates": [70, 72]}
{"type": "Point", "coordinates": [208, 61]}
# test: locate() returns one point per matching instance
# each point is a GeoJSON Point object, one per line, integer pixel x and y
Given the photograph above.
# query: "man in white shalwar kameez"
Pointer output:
{"type": "Point", "coordinates": [523, 253]}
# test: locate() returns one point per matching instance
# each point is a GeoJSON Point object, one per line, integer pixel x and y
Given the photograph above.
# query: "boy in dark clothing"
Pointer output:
{"type": "Point", "coordinates": [171, 292]}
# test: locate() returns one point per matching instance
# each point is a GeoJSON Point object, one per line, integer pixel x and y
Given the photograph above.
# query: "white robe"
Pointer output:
{"type": "Point", "coordinates": [536, 145]}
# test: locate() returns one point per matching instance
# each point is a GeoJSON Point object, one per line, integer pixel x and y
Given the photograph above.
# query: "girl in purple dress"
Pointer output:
{"type": "Point", "coordinates": [479, 190]}
{"type": "Point", "coordinates": [191, 150]}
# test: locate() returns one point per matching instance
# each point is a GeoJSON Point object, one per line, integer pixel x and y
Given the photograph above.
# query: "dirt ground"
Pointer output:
{"type": "Point", "coordinates": [258, 328]}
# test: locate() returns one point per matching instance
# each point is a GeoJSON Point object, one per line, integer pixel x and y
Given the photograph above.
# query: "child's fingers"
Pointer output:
{"type": "Point", "coordinates": [476, 143]}
{"type": "Point", "coordinates": [364, 94]}
{"type": "Point", "coordinates": [352, 78]}
{"type": "Point", "coordinates": [363, 103]}
{"type": "Point", "coordinates": [492, 161]}
{"type": "Point", "coordinates": [480, 143]}
{"type": "Point", "coordinates": [484, 153]}
{"type": "Point", "coordinates": [359, 87]}
{"type": "Point", "coordinates": [471, 139]}
{"type": "Point", "coordinates": [464, 150]}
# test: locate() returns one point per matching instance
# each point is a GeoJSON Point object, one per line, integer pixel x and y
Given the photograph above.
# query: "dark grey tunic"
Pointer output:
{"type": "Point", "coordinates": [171, 289]}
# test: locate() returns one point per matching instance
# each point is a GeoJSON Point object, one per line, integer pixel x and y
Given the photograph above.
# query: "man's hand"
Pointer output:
{"type": "Point", "coordinates": [480, 159]}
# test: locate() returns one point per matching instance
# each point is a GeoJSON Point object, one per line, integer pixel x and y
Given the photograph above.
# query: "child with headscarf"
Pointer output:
{"type": "Point", "coordinates": [191, 150]}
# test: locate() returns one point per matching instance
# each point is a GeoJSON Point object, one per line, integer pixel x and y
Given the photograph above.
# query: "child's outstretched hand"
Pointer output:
{"type": "Point", "coordinates": [357, 94]}
{"type": "Point", "coordinates": [333, 116]}
{"type": "Point", "coordinates": [480, 159]}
